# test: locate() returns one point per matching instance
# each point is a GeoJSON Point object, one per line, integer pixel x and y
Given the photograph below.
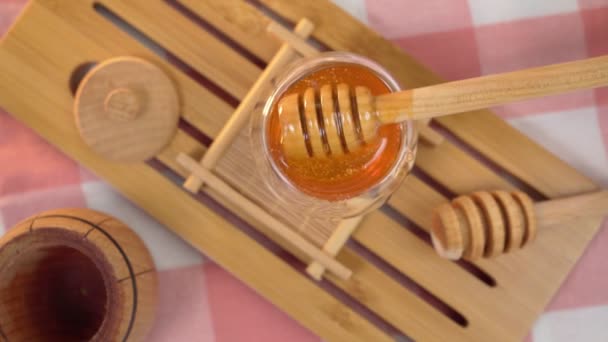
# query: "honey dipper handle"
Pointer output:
{"type": "Point", "coordinates": [492, 90]}
{"type": "Point", "coordinates": [592, 206]}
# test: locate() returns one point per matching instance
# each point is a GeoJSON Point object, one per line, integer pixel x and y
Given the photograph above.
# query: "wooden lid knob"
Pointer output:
{"type": "Point", "coordinates": [122, 104]}
{"type": "Point", "coordinates": [126, 109]}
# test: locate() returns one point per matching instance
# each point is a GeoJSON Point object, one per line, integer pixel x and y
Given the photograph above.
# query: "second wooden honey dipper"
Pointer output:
{"type": "Point", "coordinates": [337, 119]}
{"type": "Point", "coordinates": [486, 224]}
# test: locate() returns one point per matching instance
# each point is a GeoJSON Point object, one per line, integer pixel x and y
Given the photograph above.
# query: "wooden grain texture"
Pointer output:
{"type": "Point", "coordinates": [313, 308]}
{"type": "Point", "coordinates": [592, 206]}
{"type": "Point", "coordinates": [242, 114]}
{"type": "Point", "coordinates": [199, 106]}
{"type": "Point", "coordinates": [164, 25]}
{"type": "Point", "coordinates": [525, 280]}
{"type": "Point", "coordinates": [240, 21]}
{"type": "Point", "coordinates": [491, 90]}
{"type": "Point", "coordinates": [368, 285]}
{"type": "Point", "coordinates": [518, 275]}
{"type": "Point", "coordinates": [517, 154]}
{"type": "Point", "coordinates": [252, 210]}
{"type": "Point", "coordinates": [238, 168]}
{"type": "Point", "coordinates": [466, 174]}
{"type": "Point", "coordinates": [100, 255]}
{"type": "Point", "coordinates": [376, 290]}
{"type": "Point", "coordinates": [126, 109]}
{"type": "Point", "coordinates": [340, 31]}
{"type": "Point", "coordinates": [334, 244]}
{"type": "Point", "coordinates": [297, 42]}
{"type": "Point", "coordinates": [414, 257]}
{"type": "Point", "coordinates": [415, 198]}
{"type": "Point", "coordinates": [371, 286]}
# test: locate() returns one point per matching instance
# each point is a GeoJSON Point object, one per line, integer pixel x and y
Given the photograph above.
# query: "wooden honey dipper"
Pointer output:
{"type": "Point", "coordinates": [336, 119]}
{"type": "Point", "coordinates": [486, 224]}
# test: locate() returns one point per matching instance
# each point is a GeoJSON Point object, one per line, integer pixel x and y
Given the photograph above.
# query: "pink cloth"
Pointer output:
{"type": "Point", "coordinates": [456, 38]}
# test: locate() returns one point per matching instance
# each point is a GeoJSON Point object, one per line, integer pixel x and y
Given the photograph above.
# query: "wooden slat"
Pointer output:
{"type": "Point", "coordinates": [368, 285]}
{"type": "Point", "coordinates": [456, 170]}
{"type": "Point", "coordinates": [535, 271]}
{"type": "Point", "coordinates": [415, 200]}
{"type": "Point", "coordinates": [340, 31]}
{"type": "Point", "coordinates": [240, 21]}
{"type": "Point", "coordinates": [163, 24]}
{"type": "Point", "coordinates": [518, 154]}
{"type": "Point", "coordinates": [315, 309]}
{"type": "Point", "coordinates": [184, 143]}
{"type": "Point", "coordinates": [441, 277]}
{"type": "Point", "coordinates": [399, 306]}
{"type": "Point", "coordinates": [199, 106]}
{"type": "Point", "coordinates": [238, 167]}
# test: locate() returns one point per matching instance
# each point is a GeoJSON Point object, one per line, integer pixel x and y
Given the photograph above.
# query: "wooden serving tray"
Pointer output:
{"type": "Point", "coordinates": [214, 51]}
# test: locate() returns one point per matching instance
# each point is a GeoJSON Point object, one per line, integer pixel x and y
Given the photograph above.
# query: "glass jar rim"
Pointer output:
{"type": "Point", "coordinates": [301, 68]}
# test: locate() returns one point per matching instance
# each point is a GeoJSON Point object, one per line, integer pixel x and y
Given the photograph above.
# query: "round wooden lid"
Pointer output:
{"type": "Point", "coordinates": [126, 109]}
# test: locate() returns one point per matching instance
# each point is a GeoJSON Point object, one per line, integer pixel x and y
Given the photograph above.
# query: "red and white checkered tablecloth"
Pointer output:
{"type": "Point", "coordinates": [457, 38]}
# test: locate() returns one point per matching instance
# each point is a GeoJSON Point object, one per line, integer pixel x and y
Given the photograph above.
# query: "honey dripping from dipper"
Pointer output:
{"type": "Point", "coordinates": [341, 176]}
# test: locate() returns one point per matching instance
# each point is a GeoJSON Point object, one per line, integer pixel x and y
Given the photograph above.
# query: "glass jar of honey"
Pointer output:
{"type": "Point", "coordinates": [342, 185]}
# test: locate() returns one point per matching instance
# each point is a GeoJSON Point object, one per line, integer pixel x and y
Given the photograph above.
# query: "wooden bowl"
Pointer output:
{"type": "Point", "coordinates": [75, 275]}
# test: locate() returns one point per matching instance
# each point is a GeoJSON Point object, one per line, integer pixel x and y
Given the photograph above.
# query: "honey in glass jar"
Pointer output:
{"type": "Point", "coordinates": [338, 177]}
{"type": "Point", "coordinates": [333, 186]}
